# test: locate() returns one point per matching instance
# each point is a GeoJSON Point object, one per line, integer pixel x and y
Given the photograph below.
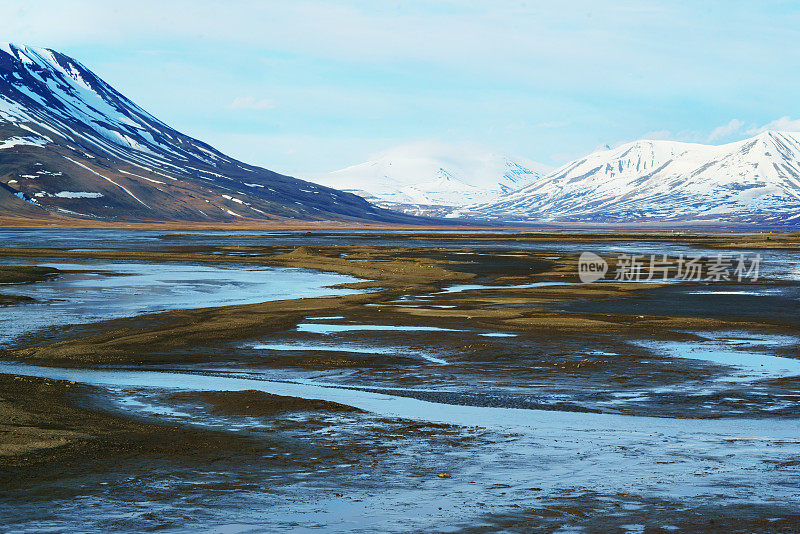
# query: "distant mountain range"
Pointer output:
{"type": "Point", "coordinates": [72, 146]}
{"type": "Point", "coordinates": [750, 182]}
{"type": "Point", "coordinates": [435, 178]}
{"type": "Point", "coordinates": [755, 182]}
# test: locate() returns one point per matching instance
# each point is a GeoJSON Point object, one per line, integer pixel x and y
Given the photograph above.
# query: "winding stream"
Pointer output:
{"type": "Point", "coordinates": [410, 408]}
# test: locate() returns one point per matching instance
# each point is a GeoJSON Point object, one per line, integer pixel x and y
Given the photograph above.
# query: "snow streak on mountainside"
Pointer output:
{"type": "Point", "coordinates": [435, 178]}
{"type": "Point", "coordinates": [71, 144]}
{"type": "Point", "coordinates": [752, 181]}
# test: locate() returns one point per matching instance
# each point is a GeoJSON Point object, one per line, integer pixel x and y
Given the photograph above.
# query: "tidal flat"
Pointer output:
{"type": "Point", "coordinates": [393, 382]}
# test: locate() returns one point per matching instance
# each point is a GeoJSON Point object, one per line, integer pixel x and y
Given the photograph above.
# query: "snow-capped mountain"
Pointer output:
{"type": "Point", "coordinates": [435, 178]}
{"type": "Point", "coordinates": [72, 145]}
{"type": "Point", "coordinates": [755, 180]}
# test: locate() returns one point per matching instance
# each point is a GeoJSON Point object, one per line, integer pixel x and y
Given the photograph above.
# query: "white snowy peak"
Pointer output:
{"type": "Point", "coordinates": [666, 180]}
{"type": "Point", "coordinates": [434, 173]}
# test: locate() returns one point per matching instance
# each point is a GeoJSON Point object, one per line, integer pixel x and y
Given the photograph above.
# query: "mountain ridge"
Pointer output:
{"type": "Point", "coordinates": [433, 177]}
{"type": "Point", "coordinates": [70, 144]}
{"type": "Point", "coordinates": [756, 180]}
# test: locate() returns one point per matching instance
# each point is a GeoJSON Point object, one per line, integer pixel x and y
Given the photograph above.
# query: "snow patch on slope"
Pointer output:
{"type": "Point", "coordinates": [77, 194]}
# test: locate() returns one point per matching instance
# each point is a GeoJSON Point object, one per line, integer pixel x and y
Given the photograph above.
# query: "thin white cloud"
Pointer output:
{"type": "Point", "coordinates": [552, 124]}
{"type": "Point", "coordinates": [474, 37]}
{"type": "Point", "coordinates": [249, 102]}
{"type": "Point", "coordinates": [726, 130]}
{"type": "Point", "coordinates": [784, 124]}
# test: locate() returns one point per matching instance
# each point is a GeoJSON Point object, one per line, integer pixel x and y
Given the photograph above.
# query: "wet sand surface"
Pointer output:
{"type": "Point", "coordinates": [454, 383]}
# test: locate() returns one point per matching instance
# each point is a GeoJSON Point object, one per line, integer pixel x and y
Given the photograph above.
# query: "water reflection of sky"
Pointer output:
{"type": "Point", "coordinates": [83, 297]}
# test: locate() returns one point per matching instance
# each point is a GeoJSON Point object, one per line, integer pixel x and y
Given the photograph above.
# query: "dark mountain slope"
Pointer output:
{"type": "Point", "coordinates": [71, 144]}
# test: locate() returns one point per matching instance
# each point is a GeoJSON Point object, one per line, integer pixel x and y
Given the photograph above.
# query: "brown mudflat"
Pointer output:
{"type": "Point", "coordinates": [568, 347]}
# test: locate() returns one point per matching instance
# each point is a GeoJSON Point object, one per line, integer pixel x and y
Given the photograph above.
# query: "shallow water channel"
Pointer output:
{"type": "Point", "coordinates": [99, 290]}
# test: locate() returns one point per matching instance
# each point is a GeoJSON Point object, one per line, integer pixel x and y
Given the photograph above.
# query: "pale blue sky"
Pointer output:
{"type": "Point", "coordinates": [312, 86]}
